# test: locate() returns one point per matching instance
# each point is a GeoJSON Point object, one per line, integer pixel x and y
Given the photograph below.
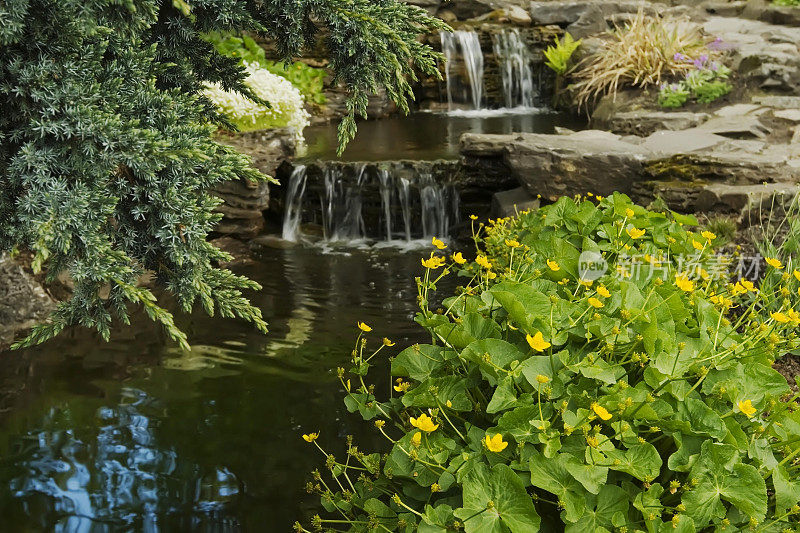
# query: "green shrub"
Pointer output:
{"type": "Point", "coordinates": [547, 400]}
{"type": "Point", "coordinates": [673, 95]}
{"type": "Point", "coordinates": [707, 83]}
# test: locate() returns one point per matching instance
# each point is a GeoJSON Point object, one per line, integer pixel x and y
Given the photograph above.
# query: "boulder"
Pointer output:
{"type": "Point", "coordinates": [508, 15]}
{"type": "Point", "coordinates": [644, 122]}
{"type": "Point", "coordinates": [23, 302]}
{"type": "Point", "coordinates": [584, 18]}
{"type": "Point", "coordinates": [508, 203]}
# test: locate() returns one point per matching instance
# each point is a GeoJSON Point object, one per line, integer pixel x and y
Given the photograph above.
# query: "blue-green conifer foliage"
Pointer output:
{"type": "Point", "coordinates": [106, 149]}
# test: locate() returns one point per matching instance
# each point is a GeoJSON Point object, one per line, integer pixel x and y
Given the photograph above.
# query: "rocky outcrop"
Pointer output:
{"type": "Point", "coordinates": [244, 201]}
{"type": "Point", "coordinates": [584, 18]}
{"type": "Point", "coordinates": [23, 302]}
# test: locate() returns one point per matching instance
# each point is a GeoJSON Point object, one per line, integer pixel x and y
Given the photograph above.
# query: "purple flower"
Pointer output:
{"type": "Point", "coordinates": [679, 57]}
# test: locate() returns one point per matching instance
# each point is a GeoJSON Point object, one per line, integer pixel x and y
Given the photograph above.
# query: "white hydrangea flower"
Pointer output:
{"type": "Point", "coordinates": [287, 103]}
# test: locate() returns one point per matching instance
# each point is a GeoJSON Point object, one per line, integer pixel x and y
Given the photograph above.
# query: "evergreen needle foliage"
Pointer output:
{"type": "Point", "coordinates": [106, 154]}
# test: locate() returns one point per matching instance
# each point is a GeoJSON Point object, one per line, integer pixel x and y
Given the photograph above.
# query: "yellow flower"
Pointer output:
{"type": "Point", "coordinates": [439, 244]}
{"type": "Point", "coordinates": [748, 285]}
{"type": "Point", "coordinates": [459, 259]}
{"type": "Point", "coordinates": [416, 439]}
{"type": "Point", "coordinates": [602, 291]}
{"type": "Point", "coordinates": [601, 411]}
{"type": "Point", "coordinates": [449, 404]}
{"type": "Point", "coordinates": [537, 342]}
{"type": "Point", "coordinates": [432, 262]}
{"type": "Point", "coordinates": [424, 423]}
{"type": "Point", "coordinates": [635, 233]}
{"type": "Point", "coordinates": [586, 282]}
{"type": "Point", "coordinates": [490, 274]}
{"type": "Point", "coordinates": [707, 235]}
{"type": "Point", "coordinates": [780, 317]}
{"type": "Point", "coordinates": [541, 378]}
{"type": "Point", "coordinates": [387, 342]}
{"type": "Point", "coordinates": [747, 408]}
{"type": "Point", "coordinates": [697, 245]}
{"type": "Point", "coordinates": [363, 327]}
{"type": "Point", "coordinates": [310, 437]}
{"type": "Point", "coordinates": [553, 265]}
{"type": "Point", "coordinates": [599, 198]}
{"type": "Point", "coordinates": [592, 441]}
{"type": "Point", "coordinates": [684, 283]}
{"type": "Point", "coordinates": [629, 213]}
{"type": "Point", "coordinates": [774, 263]}
{"type": "Point", "coordinates": [796, 275]}
{"type": "Point", "coordinates": [794, 316]}
{"type": "Point", "coordinates": [511, 243]}
{"type": "Point", "coordinates": [482, 261]}
{"type": "Point", "coordinates": [496, 443]}
{"type": "Point", "coordinates": [403, 386]}
{"type": "Point", "coordinates": [473, 217]}
{"type": "Point", "coordinates": [594, 302]}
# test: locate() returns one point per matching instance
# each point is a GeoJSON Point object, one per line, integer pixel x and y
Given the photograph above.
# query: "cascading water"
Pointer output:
{"type": "Point", "coordinates": [463, 48]}
{"type": "Point", "coordinates": [386, 202]}
{"type": "Point", "coordinates": [515, 60]}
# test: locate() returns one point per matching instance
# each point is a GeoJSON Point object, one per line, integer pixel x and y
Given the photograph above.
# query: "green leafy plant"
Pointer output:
{"type": "Point", "coordinates": [707, 83]}
{"type": "Point", "coordinates": [558, 57]}
{"type": "Point", "coordinates": [789, 3]}
{"type": "Point", "coordinates": [594, 373]}
{"type": "Point", "coordinates": [559, 54]}
{"type": "Point", "coordinates": [673, 95]}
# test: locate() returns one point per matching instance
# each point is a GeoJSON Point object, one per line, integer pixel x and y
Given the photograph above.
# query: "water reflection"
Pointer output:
{"type": "Point", "coordinates": [137, 436]}
{"type": "Point", "coordinates": [427, 136]}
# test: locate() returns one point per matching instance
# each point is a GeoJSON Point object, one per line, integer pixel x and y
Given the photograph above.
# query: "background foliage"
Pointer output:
{"type": "Point", "coordinates": [106, 157]}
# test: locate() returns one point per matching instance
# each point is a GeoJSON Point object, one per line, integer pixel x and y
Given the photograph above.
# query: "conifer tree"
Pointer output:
{"type": "Point", "coordinates": [106, 149]}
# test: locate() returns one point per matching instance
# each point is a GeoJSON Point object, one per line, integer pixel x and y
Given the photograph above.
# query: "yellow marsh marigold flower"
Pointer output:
{"type": "Point", "coordinates": [511, 243]}
{"type": "Point", "coordinates": [473, 217]}
{"type": "Point", "coordinates": [780, 317]}
{"type": "Point", "coordinates": [684, 283]}
{"type": "Point", "coordinates": [747, 408]}
{"type": "Point", "coordinates": [541, 378]}
{"type": "Point", "coordinates": [602, 291]}
{"type": "Point", "coordinates": [635, 233]}
{"type": "Point", "coordinates": [601, 411]}
{"type": "Point", "coordinates": [432, 262]}
{"type": "Point", "coordinates": [459, 259]}
{"type": "Point", "coordinates": [424, 423]}
{"type": "Point", "coordinates": [774, 263]}
{"type": "Point", "coordinates": [496, 443]}
{"type": "Point", "coordinates": [537, 342]}
{"type": "Point", "coordinates": [586, 282]}
{"type": "Point", "coordinates": [592, 441]}
{"type": "Point", "coordinates": [416, 439]}
{"type": "Point", "coordinates": [439, 244]}
{"type": "Point", "coordinates": [748, 285]}
{"type": "Point", "coordinates": [310, 437]}
{"type": "Point", "coordinates": [363, 327]}
{"type": "Point", "coordinates": [449, 404]}
{"type": "Point", "coordinates": [387, 342]}
{"type": "Point", "coordinates": [594, 302]}
{"type": "Point", "coordinates": [697, 245]}
{"type": "Point", "coordinates": [403, 386]}
{"type": "Point", "coordinates": [482, 261]}
{"type": "Point", "coordinates": [629, 213]}
{"type": "Point", "coordinates": [707, 235]}
{"type": "Point", "coordinates": [553, 265]}
{"type": "Point", "coordinates": [796, 275]}
{"type": "Point", "coordinates": [490, 274]}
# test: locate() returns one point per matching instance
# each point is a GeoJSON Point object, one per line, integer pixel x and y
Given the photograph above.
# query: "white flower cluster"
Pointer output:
{"type": "Point", "coordinates": [286, 102]}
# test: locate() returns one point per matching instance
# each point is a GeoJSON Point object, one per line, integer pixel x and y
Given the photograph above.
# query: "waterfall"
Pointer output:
{"type": "Point", "coordinates": [466, 46]}
{"type": "Point", "coordinates": [515, 58]}
{"type": "Point", "coordinates": [376, 201]}
{"type": "Point", "coordinates": [294, 198]}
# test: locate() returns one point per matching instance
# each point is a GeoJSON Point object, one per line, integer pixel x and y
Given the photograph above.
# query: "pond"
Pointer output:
{"type": "Point", "coordinates": [427, 136]}
{"type": "Point", "coordinates": [135, 435]}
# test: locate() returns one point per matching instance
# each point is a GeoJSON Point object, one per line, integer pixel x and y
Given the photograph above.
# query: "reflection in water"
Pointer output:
{"type": "Point", "coordinates": [137, 436]}
{"type": "Point", "coordinates": [116, 475]}
{"type": "Point", "coordinates": [428, 136]}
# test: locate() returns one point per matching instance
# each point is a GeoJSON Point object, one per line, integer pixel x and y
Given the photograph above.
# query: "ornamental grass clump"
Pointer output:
{"type": "Point", "coordinates": [645, 52]}
{"type": "Point", "coordinates": [597, 371]}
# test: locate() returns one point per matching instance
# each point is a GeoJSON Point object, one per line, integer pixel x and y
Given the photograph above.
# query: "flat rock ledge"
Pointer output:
{"type": "Point", "coordinates": [719, 165]}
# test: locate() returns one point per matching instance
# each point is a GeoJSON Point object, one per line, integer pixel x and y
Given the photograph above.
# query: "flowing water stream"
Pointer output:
{"type": "Point", "coordinates": [136, 436]}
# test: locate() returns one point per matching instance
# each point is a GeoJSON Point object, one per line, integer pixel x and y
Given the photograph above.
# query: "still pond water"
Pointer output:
{"type": "Point", "coordinates": [136, 436]}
